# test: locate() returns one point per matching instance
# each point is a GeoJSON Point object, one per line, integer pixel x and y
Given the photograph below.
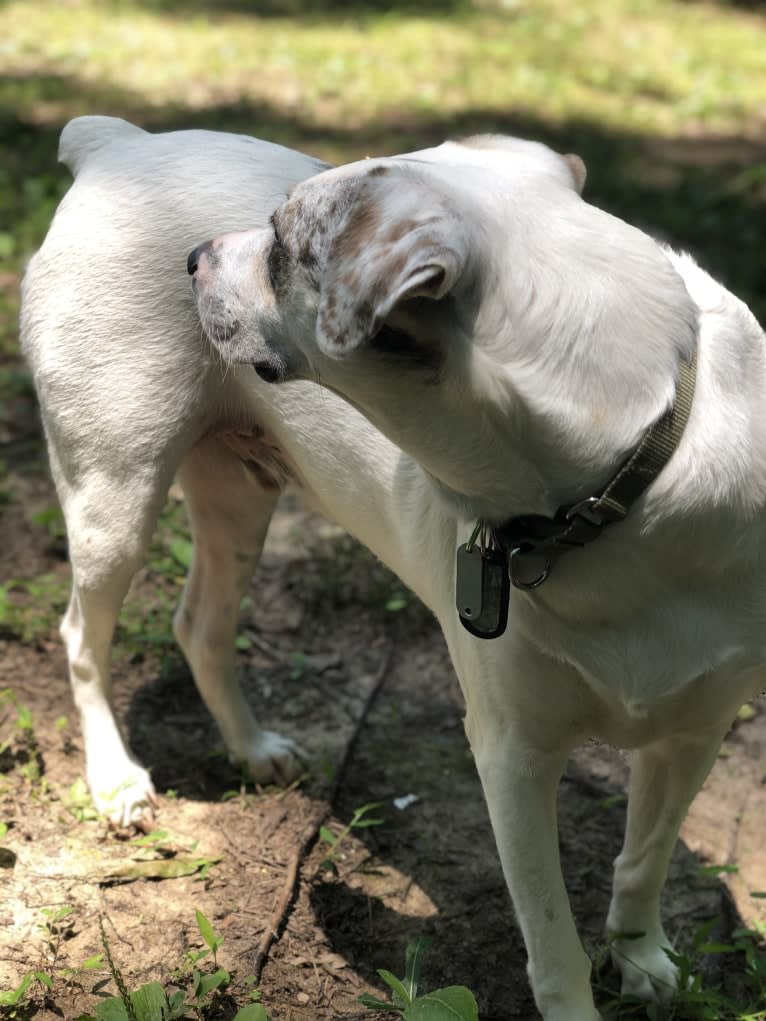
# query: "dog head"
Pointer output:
{"type": "Point", "coordinates": [382, 259]}
{"type": "Point", "coordinates": [468, 302]}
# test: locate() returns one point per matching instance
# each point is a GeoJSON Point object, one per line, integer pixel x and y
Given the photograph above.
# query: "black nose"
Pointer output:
{"type": "Point", "coordinates": [193, 261]}
{"type": "Point", "coordinates": [269, 372]}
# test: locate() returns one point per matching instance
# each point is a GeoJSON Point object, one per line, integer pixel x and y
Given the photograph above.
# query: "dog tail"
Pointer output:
{"type": "Point", "coordinates": [85, 135]}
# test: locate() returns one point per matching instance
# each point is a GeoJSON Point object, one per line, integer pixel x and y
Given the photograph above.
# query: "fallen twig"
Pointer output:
{"type": "Point", "coordinates": [310, 832]}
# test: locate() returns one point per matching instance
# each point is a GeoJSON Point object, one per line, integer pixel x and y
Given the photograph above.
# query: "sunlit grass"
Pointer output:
{"type": "Point", "coordinates": [640, 66]}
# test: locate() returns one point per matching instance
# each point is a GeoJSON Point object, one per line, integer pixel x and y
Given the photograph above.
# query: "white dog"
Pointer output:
{"type": "Point", "coordinates": [494, 350]}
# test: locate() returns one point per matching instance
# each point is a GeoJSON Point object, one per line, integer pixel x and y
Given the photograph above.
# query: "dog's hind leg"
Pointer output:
{"type": "Point", "coordinates": [665, 777]}
{"type": "Point", "coordinates": [229, 507]}
{"type": "Point", "coordinates": [109, 526]}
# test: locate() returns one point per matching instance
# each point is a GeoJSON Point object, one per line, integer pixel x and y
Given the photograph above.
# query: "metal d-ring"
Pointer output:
{"type": "Point", "coordinates": [518, 553]}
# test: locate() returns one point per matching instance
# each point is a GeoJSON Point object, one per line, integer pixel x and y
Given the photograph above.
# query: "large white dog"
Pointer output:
{"type": "Point", "coordinates": [499, 358]}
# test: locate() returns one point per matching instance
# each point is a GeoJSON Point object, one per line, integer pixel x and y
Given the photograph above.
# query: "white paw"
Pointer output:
{"type": "Point", "coordinates": [271, 758]}
{"type": "Point", "coordinates": [647, 971]}
{"type": "Point", "coordinates": [124, 795]}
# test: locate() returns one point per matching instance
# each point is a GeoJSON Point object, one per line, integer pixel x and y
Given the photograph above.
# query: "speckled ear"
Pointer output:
{"type": "Point", "coordinates": [397, 241]}
{"type": "Point", "coordinates": [578, 170]}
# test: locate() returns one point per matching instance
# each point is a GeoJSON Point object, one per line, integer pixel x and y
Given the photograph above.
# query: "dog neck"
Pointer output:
{"type": "Point", "coordinates": [492, 449]}
{"type": "Point", "coordinates": [554, 382]}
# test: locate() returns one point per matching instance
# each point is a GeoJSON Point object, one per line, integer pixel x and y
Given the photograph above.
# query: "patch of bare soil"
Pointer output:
{"type": "Point", "coordinates": [371, 694]}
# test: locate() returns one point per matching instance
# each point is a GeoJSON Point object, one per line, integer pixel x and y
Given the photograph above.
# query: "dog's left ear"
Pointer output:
{"type": "Point", "coordinates": [577, 169]}
{"type": "Point", "coordinates": [397, 241]}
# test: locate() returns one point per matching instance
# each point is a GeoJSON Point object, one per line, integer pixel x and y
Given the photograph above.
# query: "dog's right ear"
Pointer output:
{"type": "Point", "coordinates": [398, 240]}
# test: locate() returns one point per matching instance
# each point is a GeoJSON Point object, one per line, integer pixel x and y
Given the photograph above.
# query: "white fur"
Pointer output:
{"type": "Point", "coordinates": [559, 344]}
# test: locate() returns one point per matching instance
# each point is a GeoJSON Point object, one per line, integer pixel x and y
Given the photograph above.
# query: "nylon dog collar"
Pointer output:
{"type": "Point", "coordinates": [533, 542]}
{"type": "Point", "coordinates": [530, 545]}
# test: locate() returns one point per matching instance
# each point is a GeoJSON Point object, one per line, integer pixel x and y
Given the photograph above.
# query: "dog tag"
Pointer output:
{"type": "Point", "coordinates": [482, 590]}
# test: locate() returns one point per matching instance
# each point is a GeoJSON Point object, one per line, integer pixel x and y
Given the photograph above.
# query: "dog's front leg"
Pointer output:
{"type": "Point", "coordinates": [665, 776]}
{"type": "Point", "coordinates": [520, 785]}
{"type": "Point", "coordinates": [525, 714]}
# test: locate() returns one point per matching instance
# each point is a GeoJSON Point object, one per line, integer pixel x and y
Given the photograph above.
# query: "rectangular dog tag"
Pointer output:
{"type": "Point", "coordinates": [482, 591]}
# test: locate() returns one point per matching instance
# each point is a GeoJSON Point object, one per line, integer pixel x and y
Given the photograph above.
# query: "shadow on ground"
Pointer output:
{"type": "Point", "coordinates": [429, 869]}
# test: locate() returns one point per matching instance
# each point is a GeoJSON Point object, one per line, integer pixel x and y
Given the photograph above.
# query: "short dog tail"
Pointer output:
{"type": "Point", "coordinates": [85, 135]}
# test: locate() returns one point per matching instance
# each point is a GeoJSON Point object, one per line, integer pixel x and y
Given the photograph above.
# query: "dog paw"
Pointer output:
{"type": "Point", "coordinates": [271, 758]}
{"type": "Point", "coordinates": [647, 972]}
{"type": "Point", "coordinates": [125, 797]}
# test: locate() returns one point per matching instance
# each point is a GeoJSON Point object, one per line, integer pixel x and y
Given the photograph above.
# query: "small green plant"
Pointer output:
{"type": "Point", "coordinates": [210, 937]}
{"type": "Point", "coordinates": [53, 919]}
{"type": "Point", "coordinates": [21, 747]}
{"type": "Point", "coordinates": [359, 821]}
{"type": "Point", "coordinates": [693, 1001]}
{"type": "Point", "coordinates": [15, 997]}
{"type": "Point", "coordinates": [30, 608]}
{"type": "Point", "coordinates": [78, 802]}
{"type": "Point", "coordinates": [151, 1002]}
{"type": "Point", "coordinates": [398, 601]}
{"type": "Point", "coordinates": [56, 925]}
{"type": "Point", "coordinates": [454, 1003]}
{"type": "Point", "coordinates": [297, 665]}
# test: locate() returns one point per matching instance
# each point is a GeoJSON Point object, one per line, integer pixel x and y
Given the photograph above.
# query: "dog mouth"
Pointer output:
{"type": "Point", "coordinates": [218, 323]}
{"type": "Point", "coordinates": [236, 345]}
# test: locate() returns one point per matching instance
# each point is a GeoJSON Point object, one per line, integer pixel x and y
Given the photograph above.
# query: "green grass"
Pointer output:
{"type": "Point", "coordinates": [639, 66]}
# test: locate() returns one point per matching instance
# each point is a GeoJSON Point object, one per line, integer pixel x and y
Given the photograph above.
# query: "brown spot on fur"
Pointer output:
{"type": "Point", "coordinates": [395, 266]}
{"type": "Point", "coordinates": [306, 255]}
{"type": "Point", "coordinates": [260, 455]}
{"type": "Point", "coordinates": [360, 230]}
{"type": "Point", "coordinates": [400, 230]}
{"type": "Point", "coordinates": [350, 281]}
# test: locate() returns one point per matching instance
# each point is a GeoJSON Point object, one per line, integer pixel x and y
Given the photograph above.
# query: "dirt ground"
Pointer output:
{"type": "Point", "coordinates": [322, 644]}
